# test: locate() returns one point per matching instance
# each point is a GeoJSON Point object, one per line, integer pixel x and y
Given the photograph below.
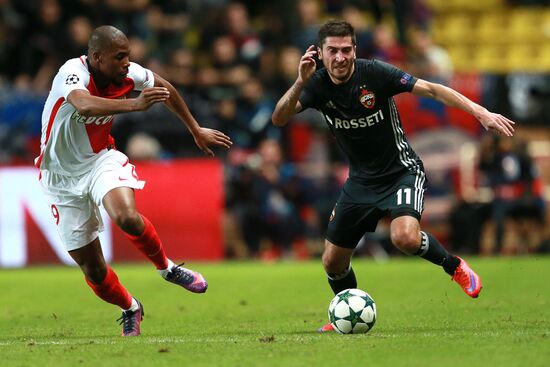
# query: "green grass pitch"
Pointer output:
{"type": "Point", "coordinates": [257, 314]}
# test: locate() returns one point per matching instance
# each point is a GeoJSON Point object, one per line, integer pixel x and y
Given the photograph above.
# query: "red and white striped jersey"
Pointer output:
{"type": "Point", "coordinates": [70, 142]}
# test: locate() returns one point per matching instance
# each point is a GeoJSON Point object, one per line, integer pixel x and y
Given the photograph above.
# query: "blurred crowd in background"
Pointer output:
{"type": "Point", "coordinates": [232, 60]}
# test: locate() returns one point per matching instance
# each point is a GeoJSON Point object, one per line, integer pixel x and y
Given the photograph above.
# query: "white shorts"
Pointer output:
{"type": "Point", "coordinates": [75, 201]}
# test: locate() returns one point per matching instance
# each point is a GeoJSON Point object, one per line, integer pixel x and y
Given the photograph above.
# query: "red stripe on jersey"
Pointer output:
{"type": "Point", "coordinates": [99, 135]}
{"type": "Point", "coordinates": [112, 91]}
{"type": "Point", "coordinates": [55, 108]}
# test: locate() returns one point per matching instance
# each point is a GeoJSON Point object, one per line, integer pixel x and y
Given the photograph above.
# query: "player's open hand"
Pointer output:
{"type": "Point", "coordinates": [497, 122]}
{"type": "Point", "coordinates": [207, 137]}
{"type": "Point", "coordinates": [307, 64]}
{"type": "Point", "coordinates": [150, 96]}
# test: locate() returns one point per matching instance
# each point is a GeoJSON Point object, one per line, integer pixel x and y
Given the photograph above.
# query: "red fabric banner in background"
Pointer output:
{"type": "Point", "coordinates": [184, 201]}
{"type": "Point", "coordinates": [183, 198]}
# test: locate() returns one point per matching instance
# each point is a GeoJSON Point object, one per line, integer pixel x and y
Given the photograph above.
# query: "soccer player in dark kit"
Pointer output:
{"type": "Point", "coordinates": [386, 176]}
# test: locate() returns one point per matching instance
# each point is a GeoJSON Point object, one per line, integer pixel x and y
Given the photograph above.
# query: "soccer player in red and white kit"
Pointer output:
{"type": "Point", "coordinates": [80, 169]}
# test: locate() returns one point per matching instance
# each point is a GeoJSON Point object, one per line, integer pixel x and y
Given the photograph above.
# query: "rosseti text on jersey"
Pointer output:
{"type": "Point", "coordinates": [357, 123]}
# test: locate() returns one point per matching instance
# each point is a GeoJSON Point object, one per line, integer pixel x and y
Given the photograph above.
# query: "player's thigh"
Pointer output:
{"type": "Point", "coordinates": [406, 196]}
{"type": "Point", "coordinates": [349, 222]}
{"type": "Point", "coordinates": [77, 218]}
{"type": "Point", "coordinates": [112, 171]}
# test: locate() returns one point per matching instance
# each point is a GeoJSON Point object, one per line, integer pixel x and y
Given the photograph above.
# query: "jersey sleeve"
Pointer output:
{"type": "Point", "coordinates": [143, 78]}
{"type": "Point", "coordinates": [69, 78]}
{"type": "Point", "coordinates": [309, 98]}
{"type": "Point", "coordinates": [393, 79]}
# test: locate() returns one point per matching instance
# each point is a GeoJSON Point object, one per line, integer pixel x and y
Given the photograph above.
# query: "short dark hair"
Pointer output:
{"type": "Point", "coordinates": [336, 28]}
{"type": "Point", "coordinates": [102, 38]}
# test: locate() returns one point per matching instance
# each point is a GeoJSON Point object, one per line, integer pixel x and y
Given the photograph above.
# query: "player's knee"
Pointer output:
{"type": "Point", "coordinates": [332, 264]}
{"type": "Point", "coordinates": [405, 240]}
{"type": "Point", "coordinates": [95, 274]}
{"type": "Point", "coordinates": [130, 222]}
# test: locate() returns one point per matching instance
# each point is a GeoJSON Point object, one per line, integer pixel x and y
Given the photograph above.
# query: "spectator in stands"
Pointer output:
{"type": "Point", "coordinates": [225, 73]}
{"type": "Point", "coordinates": [253, 115]}
{"type": "Point", "coordinates": [386, 46]}
{"type": "Point", "coordinates": [168, 21]}
{"type": "Point", "coordinates": [264, 196]}
{"type": "Point", "coordinates": [427, 60]}
{"type": "Point", "coordinates": [244, 37]}
{"type": "Point", "coordinates": [304, 33]}
{"type": "Point", "coordinates": [13, 34]}
{"type": "Point", "coordinates": [364, 34]}
{"type": "Point", "coordinates": [39, 59]}
{"type": "Point", "coordinates": [286, 74]}
{"type": "Point", "coordinates": [78, 31]}
{"type": "Point", "coordinates": [128, 15]}
{"type": "Point", "coordinates": [143, 147]}
{"type": "Point", "coordinates": [518, 206]}
{"type": "Point", "coordinates": [405, 13]}
{"type": "Point", "coordinates": [272, 30]}
{"type": "Point", "coordinates": [181, 68]}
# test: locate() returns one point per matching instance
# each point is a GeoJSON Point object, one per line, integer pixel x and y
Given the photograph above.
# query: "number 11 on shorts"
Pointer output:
{"type": "Point", "coordinates": [399, 194]}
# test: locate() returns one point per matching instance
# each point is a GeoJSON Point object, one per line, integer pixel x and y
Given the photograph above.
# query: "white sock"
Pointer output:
{"type": "Point", "coordinates": [134, 306]}
{"type": "Point", "coordinates": [341, 275]}
{"type": "Point", "coordinates": [164, 272]}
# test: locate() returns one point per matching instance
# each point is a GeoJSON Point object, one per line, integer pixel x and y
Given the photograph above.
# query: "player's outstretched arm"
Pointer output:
{"type": "Point", "coordinates": [289, 105]}
{"type": "Point", "coordinates": [88, 105]}
{"type": "Point", "coordinates": [450, 97]}
{"type": "Point", "coordinates": [204, 137]}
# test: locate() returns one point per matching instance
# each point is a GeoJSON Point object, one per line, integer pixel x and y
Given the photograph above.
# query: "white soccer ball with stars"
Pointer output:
{"type": "Point", "coordinates": [352, 311]}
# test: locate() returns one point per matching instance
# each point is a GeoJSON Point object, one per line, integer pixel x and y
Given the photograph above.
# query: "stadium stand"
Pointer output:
{"type": "Point", "coordinates": [231, 62]}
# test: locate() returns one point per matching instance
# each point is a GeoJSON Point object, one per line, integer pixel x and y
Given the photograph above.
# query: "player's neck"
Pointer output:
{"type": "Point", "coordinates": [100, 82]}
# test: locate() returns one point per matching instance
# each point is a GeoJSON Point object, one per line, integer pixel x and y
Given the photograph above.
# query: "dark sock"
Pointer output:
{"type": "Point", "coordinates": [431, 250]}
{"type": "Point", "coordinates": [345, 280]}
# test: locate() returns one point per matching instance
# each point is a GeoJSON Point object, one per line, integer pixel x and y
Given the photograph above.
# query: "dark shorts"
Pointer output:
{"type": "Point", "coordinates": [360, 207]}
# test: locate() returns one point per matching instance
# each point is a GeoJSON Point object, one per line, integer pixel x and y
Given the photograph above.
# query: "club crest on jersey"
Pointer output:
{"type": "Point", "coordinates": [367, 98]}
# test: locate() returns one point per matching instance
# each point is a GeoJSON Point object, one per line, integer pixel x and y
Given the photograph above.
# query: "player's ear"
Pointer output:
{"type": "Point", "coordinates": [95, 56]}
{"type": "Point", "coordinates": [319, 53]}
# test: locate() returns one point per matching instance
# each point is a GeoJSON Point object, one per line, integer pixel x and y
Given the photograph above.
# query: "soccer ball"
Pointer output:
{"type": "Point", "coordinates": [352, 311]}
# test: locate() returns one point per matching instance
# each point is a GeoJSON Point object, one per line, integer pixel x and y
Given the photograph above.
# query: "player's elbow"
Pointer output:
{"type": "Point", "coordinates": [83, 109]}
{"type": "Point", "coordinates": [426, 89]}
{"type": "Point", "coordinates": [434, 91]}
{"type": "Point", "coordinates": [278, 120]}
{"type": "Point", "coordinates": [81, 105]}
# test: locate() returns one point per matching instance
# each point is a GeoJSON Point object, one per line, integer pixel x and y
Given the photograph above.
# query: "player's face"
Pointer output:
{"type": "Point", "coordinates": [115, 61]}
{"type": "Point", "coordinates": [338, 56]}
